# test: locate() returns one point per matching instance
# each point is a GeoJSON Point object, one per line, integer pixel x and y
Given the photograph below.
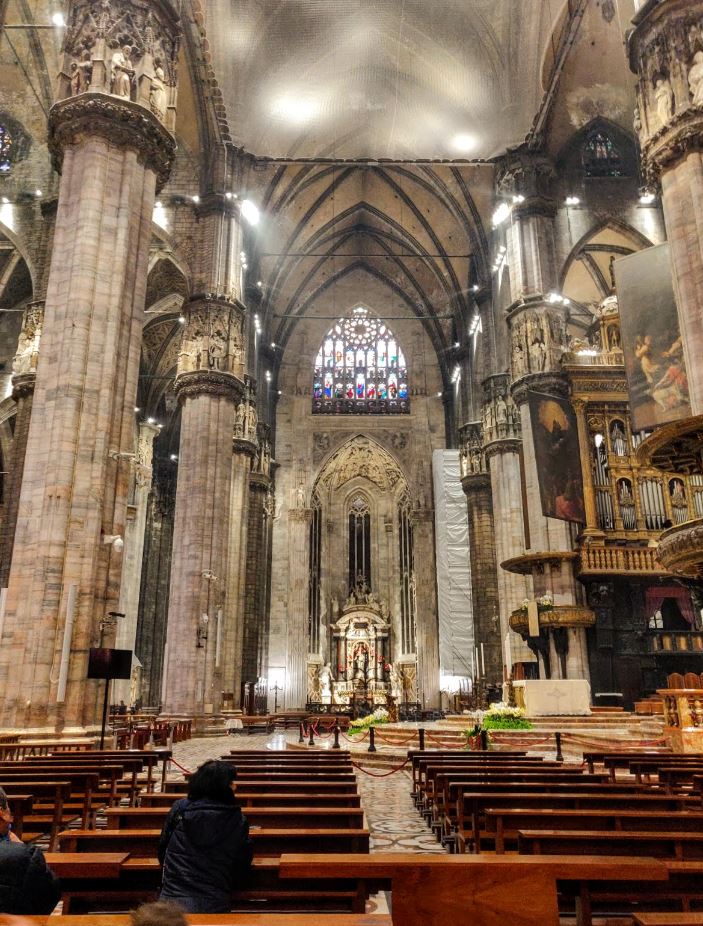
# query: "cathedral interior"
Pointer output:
{"type": "Point", "coordinates": [348, 350]}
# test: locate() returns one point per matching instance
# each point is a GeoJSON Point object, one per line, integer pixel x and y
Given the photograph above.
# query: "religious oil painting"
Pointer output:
{"type": "Point", "coordinates": [651, 339]}
{"type": "Point", "coordinates": [558, 459]}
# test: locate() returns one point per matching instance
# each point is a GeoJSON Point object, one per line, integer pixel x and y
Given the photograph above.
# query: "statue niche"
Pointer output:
{"type": "Point", "coordinates": [362, 639]}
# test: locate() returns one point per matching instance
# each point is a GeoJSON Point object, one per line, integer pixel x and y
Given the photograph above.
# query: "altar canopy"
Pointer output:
{"type": "Point", "coordinates": [456, 630]}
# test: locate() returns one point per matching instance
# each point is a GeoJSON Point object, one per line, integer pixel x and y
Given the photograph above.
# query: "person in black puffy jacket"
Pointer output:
{"type": "Point", "coordinates": [205, 850]}
{"type": "Point", "coordinates": [27, 886]}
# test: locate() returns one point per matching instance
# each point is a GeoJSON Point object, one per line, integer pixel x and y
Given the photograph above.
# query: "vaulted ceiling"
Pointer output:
{"type": "Point", "coordinates": [380, 78]}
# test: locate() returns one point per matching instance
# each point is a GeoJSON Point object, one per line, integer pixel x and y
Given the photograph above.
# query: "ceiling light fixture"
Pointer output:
{"type": "Point", "coordinates": [464, 142]}
{"type": "Point", "coordinates": [572, 200]}
{"type": "Point", "coordinates": [501, 214]}
{"type": "Point", "coordinates": [647, 198]}
{"type": "Point", "coordinates": [250, 212]}
{"type": "Point", "coordinates": [58, 19]}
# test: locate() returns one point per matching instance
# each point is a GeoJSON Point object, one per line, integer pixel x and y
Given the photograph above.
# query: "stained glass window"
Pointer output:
{"type": "Point", "coordinates": [360, 369]}
{"type": "Point", "coordinates": [600, 156]}
{"type": "Point", "coordinates": [5, 150]}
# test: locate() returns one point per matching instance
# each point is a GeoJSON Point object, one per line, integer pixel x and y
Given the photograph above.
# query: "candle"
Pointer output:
{"type": "Point", "coordinates": [483, 664]}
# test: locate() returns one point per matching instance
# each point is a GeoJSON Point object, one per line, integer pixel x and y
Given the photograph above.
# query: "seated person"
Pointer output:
{"type": "Point", "coordinates": [205, 850]}
{"type": "Point", "coordinates": [27, 886]}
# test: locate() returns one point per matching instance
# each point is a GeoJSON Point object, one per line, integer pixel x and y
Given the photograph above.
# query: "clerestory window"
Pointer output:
{"type": "Point", "coordinates": [360, 369]}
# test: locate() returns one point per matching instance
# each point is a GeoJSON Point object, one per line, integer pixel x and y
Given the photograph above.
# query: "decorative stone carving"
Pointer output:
{"type": "Point", "coordinates": [472, 461]}
{"type": "Point", "coordinates": [362, 457]}
{"type": "Point", "coordinates": [128, 48]}
{"type": "Point", "coordinates": [213, 339]}
{"type": "Point", "coordinates": [27, 355]}
{"type": "Point", "coordinates": [538, 339]}
{"type": "Point", "coordinates": [666, 52]}
{"type": "Point", "coordinates": [501, 417]}
{"type": "Point", "coordinates": [681, 549]}
{"type": "Point", "coordinates": [119, 122]}
{"type": "Point", "coordinates": [695, 79]}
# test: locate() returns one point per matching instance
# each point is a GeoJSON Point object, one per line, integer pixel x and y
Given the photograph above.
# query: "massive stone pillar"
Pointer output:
{"type": "Point", "coordinates": [244, 453]}
{"type": "Point", "coordinates": [296, 681]}
{"type": "Point", "coordinates": [426, 605]}
{"type": "Point", "coordinates": [133, 555]}
{"type": "Point", "coordinates": [258, 563]}
{"type": "Point", "coordinates": [24, 378]}
{"type": "Point", "coordinates": [502, 448]}
{"type": "Point", "coordinates": [109, 138]}
{"type": "Point", "coordinates": [666, 52]}
{"type": "Point", "coordinates": [202, 630]}
{"type": "Point", "coordinates": [476, 483]}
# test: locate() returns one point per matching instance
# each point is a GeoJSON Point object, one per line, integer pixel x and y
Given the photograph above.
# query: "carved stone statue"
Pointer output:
{"type": "Point", "coordinates": [239, 420]}
{"type": "Point", "coordinates": [122, 72]}
{"type": "Point", "coordinates": [251, 422]}
{"type": "Point", "coordinates": [300, 496]}
{"type": "Point", "coordinates": [695, 79]}
{"type": "Point", "coordinates": [325, 682]}
{"type": "Point", "coordinates": [158, 97]}
{"type": "Point", "coordinates": [396, 682]}
{"type": "Point", "coordinates": [664, 96]}
{"type": "Point", "coordinates": [27, 354]}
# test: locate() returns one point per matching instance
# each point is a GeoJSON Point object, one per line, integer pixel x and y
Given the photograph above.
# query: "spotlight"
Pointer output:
{"type": "Point", "coordinates": [38, 193]}
{"type": "Point", "coordinates": [137, 409]}
{"type": "Point", "coordinates": [151, 420]}
{"type": "Point", "coordinates": [647, 198]}
{"type": "Point", "coordinates": [250, 212]}
{"type": "Point", "coordinates": [501, 214]}
{"type": "Point", "coordinates": [58, 19]}
{"type": "Point", "coordinates": [182, 319]}
{"type": "Point", "coordinates": [195, 199]}
{"type": "Point", "coordinates": [572, 201]}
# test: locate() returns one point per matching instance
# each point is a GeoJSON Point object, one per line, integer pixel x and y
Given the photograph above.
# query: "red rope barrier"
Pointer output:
{"type": "Point", "coordinates": [185, 771]}
{"type": "Point", "coordinates": [385, 774]}
{"type": "Point", "coordinates": [395, 742]}
{"type": "Point", "coordinates": [355, 739]}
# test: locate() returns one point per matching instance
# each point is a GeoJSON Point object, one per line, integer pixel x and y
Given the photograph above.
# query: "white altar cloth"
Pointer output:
{"type": "Point", "coordinates": [546, 697]}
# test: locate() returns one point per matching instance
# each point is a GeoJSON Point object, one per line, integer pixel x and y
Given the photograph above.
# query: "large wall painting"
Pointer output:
{"type": "Point", "coordinates": [556, 443]}
{"type": "Point", "coordinates": [651, 339]}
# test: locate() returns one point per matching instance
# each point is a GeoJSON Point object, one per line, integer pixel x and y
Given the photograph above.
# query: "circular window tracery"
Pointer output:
{"type": "Point", "coordinates": [360, 369]}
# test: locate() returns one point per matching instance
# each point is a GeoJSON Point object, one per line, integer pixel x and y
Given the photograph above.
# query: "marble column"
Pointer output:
{"type": "Point", "coordinates": [296, 681]}
{"type": "Point", "coordinates": [476, 483]}
{"type": "Point", "coordinates": [666, 52]}
{"type": "Point", "coordinates": [426, 617]}
{"type": "Point", "coordinates": [133, 555]}
{"type": "Point", "coordinates": [209, 385]}
{"type": "Point", "coordinates": [113, 155]}
{"type": "Point", "coordinates": [244, 452]}
{"type": "Point", "coordinates": [24, 377]}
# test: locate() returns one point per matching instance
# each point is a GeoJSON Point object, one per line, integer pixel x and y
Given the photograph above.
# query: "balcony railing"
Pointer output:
{"type": "Point", "coordinates": [673, 642]}
{"type": "Point", "coordinates": [597, 560]}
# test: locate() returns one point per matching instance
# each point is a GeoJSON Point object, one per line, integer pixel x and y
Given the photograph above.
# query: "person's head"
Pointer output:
{"type": "Point", "coordinates": [213, 781]}
{"type": "Point", "coordinates": [5, 813]}
{"type": "Point", "coordinates": [161, 913]}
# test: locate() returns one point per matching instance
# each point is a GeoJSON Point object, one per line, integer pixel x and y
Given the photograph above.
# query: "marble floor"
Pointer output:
{"type": "Point", "coordinates": [394, 824]}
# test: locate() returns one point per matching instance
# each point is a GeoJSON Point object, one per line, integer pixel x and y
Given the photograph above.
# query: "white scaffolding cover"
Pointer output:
{"type": "Point", "coordinates": [456, 628]}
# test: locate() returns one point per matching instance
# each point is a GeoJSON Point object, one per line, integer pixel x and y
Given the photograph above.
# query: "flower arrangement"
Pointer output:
{"type": "Point", "coordinates": [379, 716]}
{"type": "Point", "coordinates": [504, 717]}
{"type": "Point", "coordinates": [545, 603]}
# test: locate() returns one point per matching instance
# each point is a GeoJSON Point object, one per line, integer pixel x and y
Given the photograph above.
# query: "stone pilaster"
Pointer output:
{"type": "Point", "coordinates": [202, 630]}
{"type": "Point", "coordinates": [113, 154]}
{"type": "Point", "coordinates": [133, 555]}
{"type": "Point", "coordinates": [476, 483]}
{"type": "Point", "coordinates": [666, 52]}
{"type": "Point", "coordinates": [426, 604]}
{"type": "Point", "coordinates": [154, 595]}
{"type": "Point", "coordinates": [24, 377]}
{"type": "Point", "coordinates": [296, 682]}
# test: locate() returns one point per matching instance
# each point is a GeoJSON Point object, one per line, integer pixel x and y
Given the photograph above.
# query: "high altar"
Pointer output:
{"type": "Point", "coordinates": [362, 651]}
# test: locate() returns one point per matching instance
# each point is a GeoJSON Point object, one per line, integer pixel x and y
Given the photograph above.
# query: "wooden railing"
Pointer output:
{"type": "Point", "coordinates": [676, 641]}
{"type": "Point", "coordinates": [617, 560]}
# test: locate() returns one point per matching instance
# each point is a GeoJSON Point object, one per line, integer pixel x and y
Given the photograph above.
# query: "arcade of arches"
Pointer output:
{"type": "Point", "coordinates": [313, 353]}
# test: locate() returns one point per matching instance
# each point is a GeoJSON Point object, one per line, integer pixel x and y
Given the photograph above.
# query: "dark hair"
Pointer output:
{"type": "Point", "coordinates": [212, 782]}
{"type": "Point", "coordinates": [160, 913]}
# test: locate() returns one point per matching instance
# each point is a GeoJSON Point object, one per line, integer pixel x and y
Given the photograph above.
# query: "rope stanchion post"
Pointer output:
{"type": "Point", "coordinates": [484, 740]}
{"type": "Point", "coordinates": [301, 738]}
{"type": "Point", "coordinates": [372, 740]}
{"type": "Point", "coordinates": [421, 736]}
{"type": "Point", "coordinates": [560, 754]}
{"type": "Point", "coordinates": [311, 741]}
{"type": "Point", "coordinates": [336, 745]}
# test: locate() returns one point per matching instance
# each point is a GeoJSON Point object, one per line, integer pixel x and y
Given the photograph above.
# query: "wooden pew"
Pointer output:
{"type": "Point", "coordinates": [668, 919]}
{"type": "Point", "coordinates": [488, 891]}
{"type": "Point", "coordinates": [52, 793]}
{"type": "Point", "coordinates": [260, 786]}
{"type": "Point", "coordinates": [19, 751]}
{"type": "Point", "coordinates": [451, 757]}
{"type": "Point", "coordinates": [271, 799]}
{"type": "Point", "coordinates": [263, 775]}
{"type": "Point", "coordinates": [124, 770]}
{"type": "Point", "coordinates": [463, 824]}
{"type": "Point", "coordinates": [309, 817]}
{"type": "Point", "coordinates": [150, 758]}
{"type": "Point", "coordinates": [674, 845]}
{"type": "Point", "coordinates": [231, 919]}
{"type": "Point", "coordinates": [106, 789]}
{"type": "Point", "coordinates": [86, 865]}
{"type": "Point", "coordinates": [19, 804]}
{"type": "Point", "coordinates": [598, 757]}
{"type": "Point", "coordinates": [505, 823]}
{"type": "Point", "coordinates": [83, 785]}
{"type": "Point", "coordinates": [144, 843]}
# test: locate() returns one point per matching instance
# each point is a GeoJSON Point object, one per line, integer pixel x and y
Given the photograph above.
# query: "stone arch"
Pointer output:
{"type": "Point", "coordinates": [360, 456]}
{"type": "Point", "coordinates": [585, 277]}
